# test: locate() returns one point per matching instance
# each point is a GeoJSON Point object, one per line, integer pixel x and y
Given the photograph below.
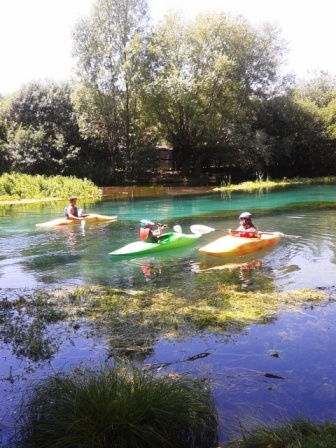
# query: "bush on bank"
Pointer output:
{"type": "Point", "coordinates": [17, 186]}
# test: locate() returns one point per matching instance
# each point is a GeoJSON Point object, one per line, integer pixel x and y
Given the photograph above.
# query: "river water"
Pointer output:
{"type": "Point", "coordinates": [33, 258]}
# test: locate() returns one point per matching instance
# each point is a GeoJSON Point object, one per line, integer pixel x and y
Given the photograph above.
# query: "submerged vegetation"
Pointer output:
{"type": "Point", "coordinates": [133, 321]}
{"type": "Point", "coordinates": [140, 407]}
{"type": "Point", "coordinates": [20, 187]}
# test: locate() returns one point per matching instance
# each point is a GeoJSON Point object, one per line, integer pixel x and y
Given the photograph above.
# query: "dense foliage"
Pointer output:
{"type": "Point", "coordinates": [211, 89]}
{"type": "Point", "coordinates": [24, 186]}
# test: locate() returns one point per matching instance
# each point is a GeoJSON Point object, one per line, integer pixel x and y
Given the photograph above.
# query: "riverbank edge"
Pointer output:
{"type": "Point", "coordinates": [116, 192]}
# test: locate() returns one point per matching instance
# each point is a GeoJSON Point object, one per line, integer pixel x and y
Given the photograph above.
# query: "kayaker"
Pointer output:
{"type": "Point", "coordinates": [71, 211]}
{"type": "Point", "coordinates": [246, 229]}
{"type": "Point", "coordinates": [147, 234]}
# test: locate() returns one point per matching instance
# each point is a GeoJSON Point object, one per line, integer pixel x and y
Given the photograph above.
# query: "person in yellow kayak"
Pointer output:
{"type": "Point", "coordinates": [147, 234]}
{"type": "Point", "coordinates": [72, 212]}
{"type": "Point", "coordinates": [246, 229]}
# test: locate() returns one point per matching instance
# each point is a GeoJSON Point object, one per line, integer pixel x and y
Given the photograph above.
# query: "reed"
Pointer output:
{"type": "Point", "coordinates": [120, 406]}
{"type": "Point", "coordinates": [267, 184]}
{"type": "Point", "coordinates": [296, 433]}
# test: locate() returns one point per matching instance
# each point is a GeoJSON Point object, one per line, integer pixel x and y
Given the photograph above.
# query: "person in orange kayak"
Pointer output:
{"type": "Point", "coordinates": [147, 234]}
{"type": "Point", "coordinates": [72, 212]}
{"type": "Point", "coordinates": [246, 229]}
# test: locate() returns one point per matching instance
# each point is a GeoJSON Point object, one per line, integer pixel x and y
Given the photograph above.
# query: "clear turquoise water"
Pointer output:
{"type": "Point", "coordinates": [31, 257]}
{"type": "Point", "coordinates": [236, 364]}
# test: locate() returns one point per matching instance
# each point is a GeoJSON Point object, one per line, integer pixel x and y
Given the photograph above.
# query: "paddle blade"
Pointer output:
{"type": "Point", "coordinates": [199, 228]}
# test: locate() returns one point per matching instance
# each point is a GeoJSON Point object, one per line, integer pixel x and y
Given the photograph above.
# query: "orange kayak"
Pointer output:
{"type": "Point", "coordinates": [235, 246]}
{"type": "Point", "coordinates": [92, 217]}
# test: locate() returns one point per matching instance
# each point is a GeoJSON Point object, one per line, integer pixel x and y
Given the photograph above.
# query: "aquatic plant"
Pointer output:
{"type": "Point", "coordinates": [133, 321]}
{"type": "Point", "coordinates": [294, 433]}
{"type": "Point", "coordinates": [260, 184]}
{"type": "Point", "coordinates": [120, 406]}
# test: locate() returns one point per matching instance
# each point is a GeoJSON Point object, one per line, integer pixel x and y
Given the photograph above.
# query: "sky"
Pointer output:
{"type": "Point", "coordinates": [36, 42]}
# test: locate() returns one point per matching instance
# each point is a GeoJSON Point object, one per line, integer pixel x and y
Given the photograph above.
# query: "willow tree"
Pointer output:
{"type": "Point", "coordinates": [203, 80]}
{"type": "Point", "coordinates": [107, 45]}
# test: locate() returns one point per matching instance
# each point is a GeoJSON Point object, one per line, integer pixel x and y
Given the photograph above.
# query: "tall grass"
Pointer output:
{"type": "Point", "coordinates": [17, 186]}
{"type": "Point", "coordinates": [120, 407]}
{"type": "Point", "coordinates": [297, 433]}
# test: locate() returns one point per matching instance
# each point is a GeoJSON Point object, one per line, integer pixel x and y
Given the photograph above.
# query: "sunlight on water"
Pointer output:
{"type": "Point", "coordinates": [45, 257]}
{"type": "Point", "coordinates": [33, 258]}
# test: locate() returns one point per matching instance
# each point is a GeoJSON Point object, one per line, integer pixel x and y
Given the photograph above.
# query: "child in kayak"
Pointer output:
{"type": "Point", "coordinates": [246, 229]}
{"type": "Point", "coordinates": [147, 234]}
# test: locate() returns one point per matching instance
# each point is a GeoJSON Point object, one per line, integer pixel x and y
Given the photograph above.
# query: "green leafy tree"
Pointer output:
{"type": "Point", "coordinates": [321, 89]}
{"type": "Point", "coordinates": [296, 138]}
{"type": "Point", "coordinates": [4, 159]}
{"type": "Point", "coordinates": [43, 135]}
{"type": "Point", "coordinates": [203, 81]}
{"type": "Point", "coordinates": [329, 115]}
{"type": "Point", "coordinates": [107, 48]}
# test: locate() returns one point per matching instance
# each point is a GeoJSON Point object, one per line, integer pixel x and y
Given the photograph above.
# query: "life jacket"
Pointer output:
{"type": "Point", "coordinates": [146, 235]}
{"type": "Point", "coordinates": [248, 235]}
{"type": "Point", "coordinates": [66, 212]}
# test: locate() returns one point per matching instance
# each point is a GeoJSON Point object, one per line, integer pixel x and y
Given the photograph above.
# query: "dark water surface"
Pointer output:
{"type": "Point", "coordinates": [32, 258]}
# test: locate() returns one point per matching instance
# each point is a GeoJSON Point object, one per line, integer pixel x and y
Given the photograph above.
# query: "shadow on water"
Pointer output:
{"type": "Point", "coordinates": [274, 366]}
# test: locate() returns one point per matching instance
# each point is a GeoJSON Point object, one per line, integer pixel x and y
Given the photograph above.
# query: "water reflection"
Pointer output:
{"type": "Point", "coordinates": [150, 269]}
{"type": "Point", "coordinates": [246, 270]}
{"type": "Point", "coordinates": [250, 384]}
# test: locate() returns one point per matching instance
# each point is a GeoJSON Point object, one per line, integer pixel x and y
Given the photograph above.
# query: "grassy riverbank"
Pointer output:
{"type": "Point", "coordinates": [23, 188]}
{"type": "Point", "coordinates": [256, 185]}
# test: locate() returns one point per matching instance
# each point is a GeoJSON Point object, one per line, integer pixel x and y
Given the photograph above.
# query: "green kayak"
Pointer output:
{"type": "Point", "coordinates": [167, 241]}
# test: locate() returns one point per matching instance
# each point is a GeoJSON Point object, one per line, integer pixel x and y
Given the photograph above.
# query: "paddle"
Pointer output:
{"type": "Point", "coordinates": [196, 228]}
{"type": "Point", "coordinates": [205, 229]}
{"type": "Point", "coordinates": [83, 226]}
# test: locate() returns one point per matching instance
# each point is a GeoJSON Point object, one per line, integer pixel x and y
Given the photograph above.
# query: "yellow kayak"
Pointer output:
{"type": "Point", "coordinates": [235, 246]}
{"type": "Point", "coordinates": [92, 217]}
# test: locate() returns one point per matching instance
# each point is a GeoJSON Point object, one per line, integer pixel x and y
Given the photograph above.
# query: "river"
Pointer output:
{"type": "Point", "coordinates": [32, 258]}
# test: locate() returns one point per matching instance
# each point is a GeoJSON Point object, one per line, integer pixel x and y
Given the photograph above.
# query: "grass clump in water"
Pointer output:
{"type": "Point", "coordinates": [260, 184]}
{"type": "Point", "coordinates": [118, 406]}
{"type": "Point", "coordinates": [298, 433]}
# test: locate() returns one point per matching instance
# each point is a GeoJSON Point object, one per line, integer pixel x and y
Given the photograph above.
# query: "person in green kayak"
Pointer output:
{"type": "Point", "coordinates": [71, 211]}
{"type": "Point", "coordinates": [147, 234]}
{"type": "Point", "coordinates": [246, 229]}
